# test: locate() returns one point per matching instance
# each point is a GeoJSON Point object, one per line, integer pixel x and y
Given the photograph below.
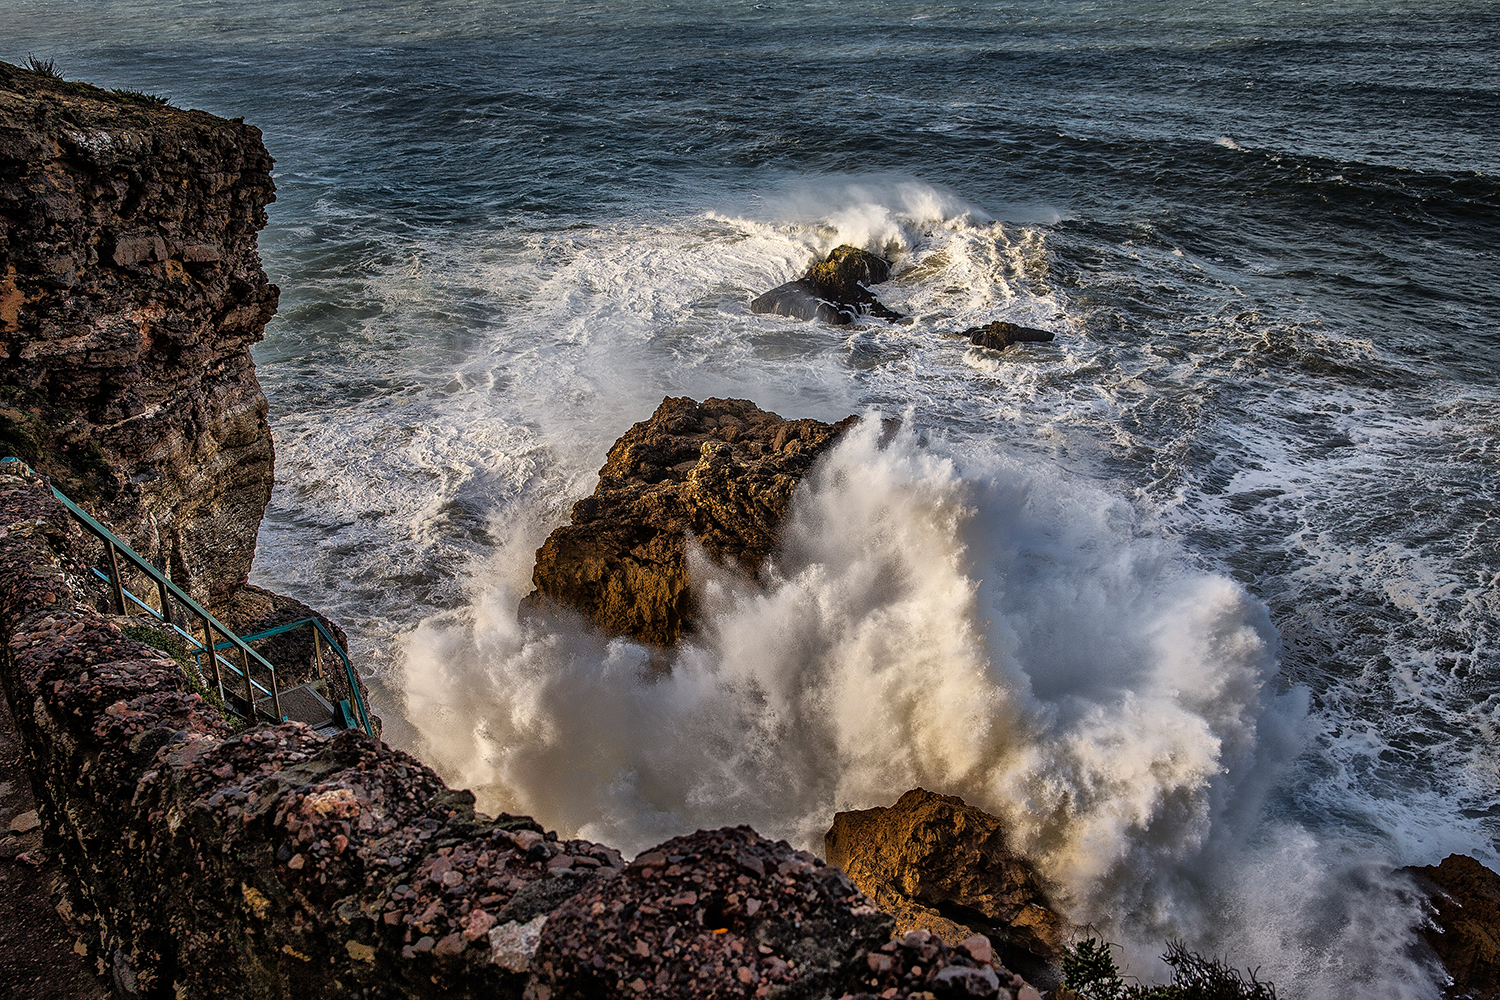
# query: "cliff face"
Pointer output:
{"type": "Point", "coordinates": [130, 292]}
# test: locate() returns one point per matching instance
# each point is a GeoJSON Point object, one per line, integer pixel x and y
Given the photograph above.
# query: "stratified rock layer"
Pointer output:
{"type": "Point", "coordinates": [721, 472]}
{"type": "Point", "coordinates": [936, 863]}
{"type": "Point", "coordinates": [1466, 897]}
{"type": "Point", "coordinates": [130, 292]}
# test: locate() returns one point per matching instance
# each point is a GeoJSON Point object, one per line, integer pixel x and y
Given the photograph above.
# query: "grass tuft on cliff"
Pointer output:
{"type": "Point", "coordinates": [169, 642]}
{"type": "Point", "coordinates": [45, 67]}
{"type": "Point", "coordinates": [140, 97]}
{"type": "Point", "coordinates": [1089, 971]}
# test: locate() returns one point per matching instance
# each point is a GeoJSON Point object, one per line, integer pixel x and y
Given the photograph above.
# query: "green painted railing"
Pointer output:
{"type": "Point", "coordinates": [208, 646]}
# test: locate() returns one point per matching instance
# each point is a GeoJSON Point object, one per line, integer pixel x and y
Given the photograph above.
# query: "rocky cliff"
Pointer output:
{"type": "Point", "coordinates": [130, 292]}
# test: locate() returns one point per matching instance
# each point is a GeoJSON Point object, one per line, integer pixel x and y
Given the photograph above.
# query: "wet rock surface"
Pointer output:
{"type": "Point", "coordinates": [935, 863]}
{"type": "Point", "coordinates": [835, 290]}
{"type": "Point", "coordinates": [1465, 896]}
{"type": "Point", "coordinates": [999, 335]}
{"type": "Point", "coordinates": [721, 473]}
{"type": "Point", "coordinates": [130, 292]}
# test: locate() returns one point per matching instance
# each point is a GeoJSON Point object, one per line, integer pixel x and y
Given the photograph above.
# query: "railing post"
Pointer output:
{"type": "Point", "coordinates": [249, 686]}
{"type": "Point", "coordinates": [318, 650]}
{"type": "Point", "coordinates": [276, 696]}
{"type": "Point", "coordinates": [114, 576]}
{"type": "Point", "coordinates": [213, 657]}
{"type": "Point", "coordinates": [166, 603]}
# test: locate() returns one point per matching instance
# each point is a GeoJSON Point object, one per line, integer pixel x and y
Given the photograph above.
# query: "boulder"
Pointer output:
{"type": "Point", "coordinates": [835, 290]}
{"type": "Point", "coordinates": [1465, 898]}
{"type": "Point", "coordinates": [721, 472]}
{"type": "Point", "coordinates": [933, 862]}
{"type": "Point", "coordinates": [999, 335]}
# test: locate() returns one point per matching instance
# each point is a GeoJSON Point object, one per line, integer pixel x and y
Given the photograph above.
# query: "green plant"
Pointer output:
{"type": "Point", "coordinates": [47, 68]}
{"type": "Point", "coordinates": [18, 436]}
{"type": "Point", "coordinates": [158, 637]}
{"type": "Point", "coordinates": [139, 96]}
{"type": "Point", "coordinates": [1089, 970]}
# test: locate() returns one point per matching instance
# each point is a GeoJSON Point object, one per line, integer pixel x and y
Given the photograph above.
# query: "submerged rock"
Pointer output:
{"type": "Point", "coordinates": [935, 863]}
{"type": "Point", "coordinates": [835, 290]}
{"type": "Point", "coordinates": [999, 335]}
{"type": "Point", "coordinates": [1465, 897]}
{"type": "Point", "coordinates": [721, 472]}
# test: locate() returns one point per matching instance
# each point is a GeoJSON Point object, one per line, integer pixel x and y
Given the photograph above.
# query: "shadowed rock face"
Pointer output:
{"type": "Point", "coordinates": [936, 863]}
{"type": "Point", "coordinates": [1466, 897]}
{"type": "Point", "coordinates": [130, 292]}
{"type": "Point", "coordinates": [835, 290]}
{"type": "Point", "coordinates": [721, 472]}
{"type": "Point", "coordinates": [999, 335]}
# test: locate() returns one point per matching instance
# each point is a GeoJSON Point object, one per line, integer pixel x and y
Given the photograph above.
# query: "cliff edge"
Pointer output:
{"type": "Point", "coordinates": [130, 292]}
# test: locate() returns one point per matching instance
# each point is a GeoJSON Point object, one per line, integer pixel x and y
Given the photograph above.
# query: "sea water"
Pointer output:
{"type": "Point", "coordinates": [1202, 597]}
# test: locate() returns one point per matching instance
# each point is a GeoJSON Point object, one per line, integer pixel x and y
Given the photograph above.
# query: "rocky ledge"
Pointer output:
{"type": "Point", "coordinates": [719, 474]}
{"type": "Point", "coordinates": [936, 863]}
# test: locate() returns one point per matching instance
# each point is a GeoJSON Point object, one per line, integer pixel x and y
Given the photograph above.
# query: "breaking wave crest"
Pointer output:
{"type": "Point", "coordinates": [978, 627]}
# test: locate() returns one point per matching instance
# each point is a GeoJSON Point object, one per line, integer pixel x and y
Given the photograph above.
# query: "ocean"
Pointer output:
{"type": "Point", "coordinates": [1203, 596]}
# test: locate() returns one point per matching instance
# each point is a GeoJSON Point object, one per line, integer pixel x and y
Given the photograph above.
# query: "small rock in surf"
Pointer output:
{"type": "Point", "coordinates": [835, 290]}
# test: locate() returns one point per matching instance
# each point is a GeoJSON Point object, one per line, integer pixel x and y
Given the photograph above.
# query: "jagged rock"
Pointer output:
{"type": "Point", "coordinates": [130, 293]}
{"type": "Point", "coordinates": [728, 913]}
{"type": "Point", "coordinates": [717, 913]}
{"type": "Point", "coordinates": [721, 472]}
{"type": "Point", "coordinates": [1465, 896]}
{"type": "Point", "coordinates": [999, 335]}
{"type": "Point", "coordinates": [936, 863]}
{"type": "Point", "coordinates": [835, 290]}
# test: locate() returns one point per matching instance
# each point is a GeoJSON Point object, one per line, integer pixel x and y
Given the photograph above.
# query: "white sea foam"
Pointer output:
{"type": "Point", "coordinates": [995, 621]}
{"type": "Point", "coordinates": [1001, 633]}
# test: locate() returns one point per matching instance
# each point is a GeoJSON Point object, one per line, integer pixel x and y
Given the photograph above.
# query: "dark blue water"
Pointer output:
{"type": "Point", "coordinates": [1260, 457]}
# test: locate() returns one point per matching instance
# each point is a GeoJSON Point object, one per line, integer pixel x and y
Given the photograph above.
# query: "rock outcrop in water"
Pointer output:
{"type": "Point", "coordinates": [1465, 897]}
{"type": "Point", "coordinates": [999, 335]}
{"type": "Point", "coordinates": [130, 292]}
{"type": "Point", "coordinates": [835, 290]}
{"type": "Point", "coordinates": [719, 474]}
{"type": "Point", "coordinates": [936, 863]}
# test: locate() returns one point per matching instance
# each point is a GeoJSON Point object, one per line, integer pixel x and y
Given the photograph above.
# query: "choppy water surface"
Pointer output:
{"type": "Point", "coordinates": [1204, 595]}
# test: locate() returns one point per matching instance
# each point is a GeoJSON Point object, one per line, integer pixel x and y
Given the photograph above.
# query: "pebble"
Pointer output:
{"type": "Point", "coordinates": [25, 823]}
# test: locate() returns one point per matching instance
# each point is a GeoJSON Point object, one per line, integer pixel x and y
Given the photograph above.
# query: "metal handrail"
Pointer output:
{"type": "Point", "coordinates": [201, 648]}
{"type": "Point", "coordinates": [116, 548]}
{"type": "Point", "coordinates": [319, 630]}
